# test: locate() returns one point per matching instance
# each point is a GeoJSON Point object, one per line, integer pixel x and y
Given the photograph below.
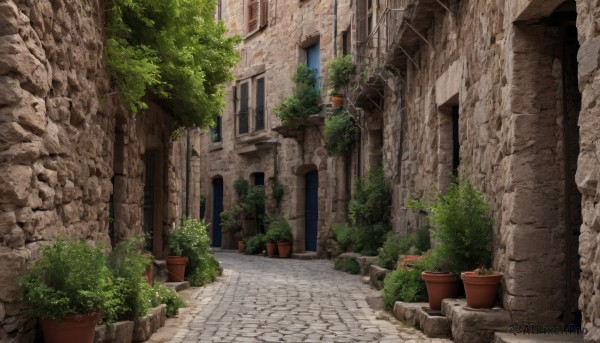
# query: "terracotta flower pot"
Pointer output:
{"type": "Point", "coordinates": [176, 267]}
{"type": "Point", "coordinates": [72, 328]}
{"type": "Point", "coordinates": [241, 246]}
{"type": "Point", "coordinates": [271, 249]}
{"type": "Point", "coordinates": [439, 286]}
{"type": "Point", "coordinates": [337, 100]}
{"type": "Point", "coordinates": [285, 249]}
{"type": "Point", "coordinates": [481, 289]}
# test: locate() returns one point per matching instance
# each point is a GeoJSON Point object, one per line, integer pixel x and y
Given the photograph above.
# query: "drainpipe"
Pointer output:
{"type": "Point", "coordinates": [188, 157]}
{"type": "Point", "coordinates": [335, 3]}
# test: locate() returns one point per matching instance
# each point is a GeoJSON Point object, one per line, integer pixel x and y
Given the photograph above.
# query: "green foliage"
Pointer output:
{"type": "Point", "coordinates": [278, 230]}
{"type": "Point", "coordinates": [340, 69]}
{"type": "Point", "coordinates": [70, 277]}
{"type": "Point", "coordinates": [240, 186]}
{"type": "Point", "coordinates": [277, 190]}
{"type": "Point", "coordinates": [372, 201]}
{"type": "Point", "coordinates": [347, 265]}
{"type": "Point", "coordinates": [255, 244]}
{"type": "Point", "coordinates": [128, 265]}
{"type": "Point", "coordinates": [405, 284]}
{"type": "Point", "coordinates": [395, 246]}
{"type": "Point", "coordinates": [340, 133]}
{"type": "Point", "coordinates": [190, 239]}
{"type": "Point", "coordinates": [463, 227]}
{"type": "Point", "coordinates": [364, 240]}
{"type": "Point", "coordinates": [173, 49]}
{"type": "Point", "coordinates": [304, 101]}
{"type": "Point", "coordinates": [202, 199]}
{"type": "Point", "coordinates": [164, 295]}
{"type": "Point", "coordinates": [228, 223]}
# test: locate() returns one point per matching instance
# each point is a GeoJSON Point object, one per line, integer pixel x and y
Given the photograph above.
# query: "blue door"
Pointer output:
{"type": "Point", "coordinates": [313, 61]}
{"type": "Point", "coordinates": [217, 188]}
{"type": "Point", "coordinates": [311, 206]}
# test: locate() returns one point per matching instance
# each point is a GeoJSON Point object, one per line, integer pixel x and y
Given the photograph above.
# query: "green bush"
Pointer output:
{"type": "Point", "coordinates": [364, 240]}
{"type": "Point", "coordinates": [127, 265]}
{"type": "Point", "coordinates": [347, 265]}
{"type": "Point", "coordinates": [164, 295]}
{"type": "Point", "coordinates": [228, 223]}
{"type": "Point", "coordinates": [340, 133]}
{"type": "Point", "coordinates": [304, 101]}
{"type": "Point", "coordinates": [339, 70]}
{"type": "Point", "coordinates": [405, 284]}
{"type": "Point", "coordinates": [255, 244]}
{"type": "Point", "coordinates": [395, 246]}
{"type": "Point", "coordinates": [372, 200]}
{"type": "Point", "coordinates": [190, 239]}
{"type": "Point", "coordinates": [240, 186]}
{"type": "Point", "coordinates": [278, 230]}
{"type": "Point", "coordinates": [70, 277]}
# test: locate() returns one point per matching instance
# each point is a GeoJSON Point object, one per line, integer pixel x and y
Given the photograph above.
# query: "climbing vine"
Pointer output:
{"type": "Point", "coordinates": [173, 50]}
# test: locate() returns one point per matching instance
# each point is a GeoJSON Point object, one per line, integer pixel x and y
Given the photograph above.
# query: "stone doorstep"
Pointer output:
{"type": "Point", "coordinates": [507, 337]}
{"type": "Point", "coordinates": [432, 323]}
{"type": "Point", "coordinates": [178, 286]}
{"type": "Point", "coordinates": [310, 255]}
{"type": "Point", "coordinates": [376, 275]}
{"type": "Point", "coordinates": [405, 312]}
{"type": "Point", "coordinates": [145, 326]}
{"type": "Point", "coordinates": [119, 332]}
{"type": "Point", "coordinates": [475, 325]}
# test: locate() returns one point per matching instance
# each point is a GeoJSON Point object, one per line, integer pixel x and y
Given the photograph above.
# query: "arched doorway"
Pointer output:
{"type": "Point", "coordinates": [311, 208]}
{"type": "Point", "coordinates": [217, 202]}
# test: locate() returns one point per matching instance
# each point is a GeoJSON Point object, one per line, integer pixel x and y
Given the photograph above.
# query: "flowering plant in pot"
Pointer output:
{"type": "Point", "coordinates": [68, 288]}
{"type": "Point", "coordinates": [279, 230]}
{"type": "Point", "coordinates": [176, 260]}
{"type": "Point", "coordinates": [481, 286]}
{"type": "Point", "coordinates": [462, 225]}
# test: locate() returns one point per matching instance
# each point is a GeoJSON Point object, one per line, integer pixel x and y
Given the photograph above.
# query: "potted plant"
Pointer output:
{"type": "Point", "coordinates": [67, 288]}
{"type": "Point", "coordinates": [463, 227]}
{"type": "Point", "coordinates": [481, 286]}
{"type": "Point", "coordinates": [339, 70]}
{"type": "Point", "coordinates": [175, 260]}
{"type": "Point", "coordinates": [304, 101]}
{"type": "Point", "coordinates": [228, 223]}
{"type": "Point", "coordinates": [279, 231]}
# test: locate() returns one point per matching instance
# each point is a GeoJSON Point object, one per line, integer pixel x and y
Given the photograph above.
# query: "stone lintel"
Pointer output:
{"type": "Point", "coordinates": [533, 9]}
{"type": "Point", "coordinates": [447, 85]}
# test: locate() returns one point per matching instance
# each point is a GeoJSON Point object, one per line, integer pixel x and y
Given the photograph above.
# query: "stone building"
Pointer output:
{"type": "Point", "coordinates": [250, 143]}
{"type": "Point", "coordinates": [73, 161]}
{"type": "Point", "coordinates": [504, 92]}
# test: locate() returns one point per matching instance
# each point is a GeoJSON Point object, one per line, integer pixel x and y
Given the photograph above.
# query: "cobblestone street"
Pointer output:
{"type": "Point", "coordinates": [275, 300]}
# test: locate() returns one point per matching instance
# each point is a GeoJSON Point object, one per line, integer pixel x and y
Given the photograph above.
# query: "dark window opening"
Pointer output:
{"type": "Point", "coordinates": [260, 104]}
{"type": "Point", "coordinates": [455, 141]}
{"type": "Point", "coordinates": [243, 114]}
{"type": "Point", "coordinates": [215, 132]}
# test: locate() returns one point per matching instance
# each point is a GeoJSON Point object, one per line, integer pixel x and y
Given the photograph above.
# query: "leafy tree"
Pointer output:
{"type": "Point", "coordinates": [175, 50]}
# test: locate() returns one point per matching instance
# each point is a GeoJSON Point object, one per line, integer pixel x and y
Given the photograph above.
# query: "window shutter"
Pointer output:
{"type": "Point", "coordinates": [243, 114]}
{"type": "Point", "coordinates": [361, 21]}
{"type": "Point", "coordinates": [264, 12]}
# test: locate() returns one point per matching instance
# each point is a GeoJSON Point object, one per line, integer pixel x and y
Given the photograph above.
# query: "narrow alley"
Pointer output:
{"type": "Point", "coordinates": [283, 300]}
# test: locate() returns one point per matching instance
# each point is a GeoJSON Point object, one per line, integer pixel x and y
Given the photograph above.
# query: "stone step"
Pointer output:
{"type": "Point", "coordinates": [471, 325]}
{"type": "Point", "coordinates": [405, 312]}
{"type": "Point", "coordinates": [310, 255]}
{"type": "Point", "coordinates": [507, 337]}
{"type": "Point", "coordinates": [178, 286]}
{"type": "Point", "coordinates": [365, 263]}
{"type": "Point", "coordinates": [376, 275]}
{"type": "Point", "coordinates": [433, 323]}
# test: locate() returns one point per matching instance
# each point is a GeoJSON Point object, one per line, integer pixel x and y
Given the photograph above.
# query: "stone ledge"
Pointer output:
{"type": "Point", "coordinates": [377, 275]}
{"type": "Point", "coordinates": [305, 255]}
{"type": "Point", "coordinates": [506, 337]}
{"type": "Point", "coordinates": [119, 332]}
{"type": "Point", "coordinates": [432, 323]}
{"type": "Point", "coordinates": [178, 286]}
{"type": "Point", "coordinates": [474, 325]}
{"type": "Point", "coordinates": [405, 312]}
{"type": "Point", "coordinates": [365, 263]}
{"type": "Point", "coordinates": [145, 326]}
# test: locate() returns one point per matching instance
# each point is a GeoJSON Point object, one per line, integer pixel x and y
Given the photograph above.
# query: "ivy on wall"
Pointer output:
{"type": "Point", "coordinates": [173, 50]}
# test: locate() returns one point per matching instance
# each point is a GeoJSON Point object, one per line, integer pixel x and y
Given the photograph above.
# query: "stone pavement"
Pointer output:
{"type": "Point", "coordinates": [259, 299]}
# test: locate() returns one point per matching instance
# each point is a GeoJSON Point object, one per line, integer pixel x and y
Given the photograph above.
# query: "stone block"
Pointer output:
{"type": "Point", "coordinates": [405, 312]}
{"type": "Point", "coordinates": [178, 286]}
{"type": "Point", "coordinates": [432, 323]}
{"type": "Point", "coordinates": [145, 326]}
{"type": "Point", "coordinates": [119, 332]}
{"type": "Point", "coordinates": [15, 184]}
{"type": "Point", "coordinates": [588, 58]}
{"type": "Point", "coordinates": [11, 91]}
{"type": "Point", "coordinates": [377, 275]}
{"type": "Point", "coordinates": [365, 262]}
{"type": "Point", "coordinates": [475, 325]}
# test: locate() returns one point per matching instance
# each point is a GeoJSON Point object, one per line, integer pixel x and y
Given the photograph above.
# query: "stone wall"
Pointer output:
{"type": "Point", "coordinates": [273, 52]}
{"type": "Point", "coordinates": [588, 170]}
{"type": "Point", "coordinates": [506, 79]}
{"type": "Point", "coordinates": [58, 124]}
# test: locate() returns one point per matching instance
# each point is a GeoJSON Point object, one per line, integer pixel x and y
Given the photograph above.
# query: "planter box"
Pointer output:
{"type": "Point", "coordinates": [119, 332]}
{"type": "Point", "coordinates": [144, 327]}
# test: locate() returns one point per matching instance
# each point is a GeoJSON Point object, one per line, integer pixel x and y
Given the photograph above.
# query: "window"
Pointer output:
{"type": "Point", "coordinates": [257, 13]}
{"type": "Point", "coordinates": [215, 132]}
{"type": "Point", "coordinates": [251, 105]}
{"type": "Point", "coordinates": [243, 113]}
{"type": "Point", "coordinates": [260, 104]}
{"type": "Point", "coordinates": [313, 61]}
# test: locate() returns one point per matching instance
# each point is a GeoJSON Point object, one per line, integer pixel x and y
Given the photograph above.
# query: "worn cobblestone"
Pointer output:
{"type": "Point", "coordinates": [275, 300]}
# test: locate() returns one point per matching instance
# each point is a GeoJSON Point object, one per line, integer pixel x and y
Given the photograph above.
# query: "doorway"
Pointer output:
{"type": "Point", "coordinates": [311, 208]}
{"type": "Point", "coordinates": [217, 191]}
